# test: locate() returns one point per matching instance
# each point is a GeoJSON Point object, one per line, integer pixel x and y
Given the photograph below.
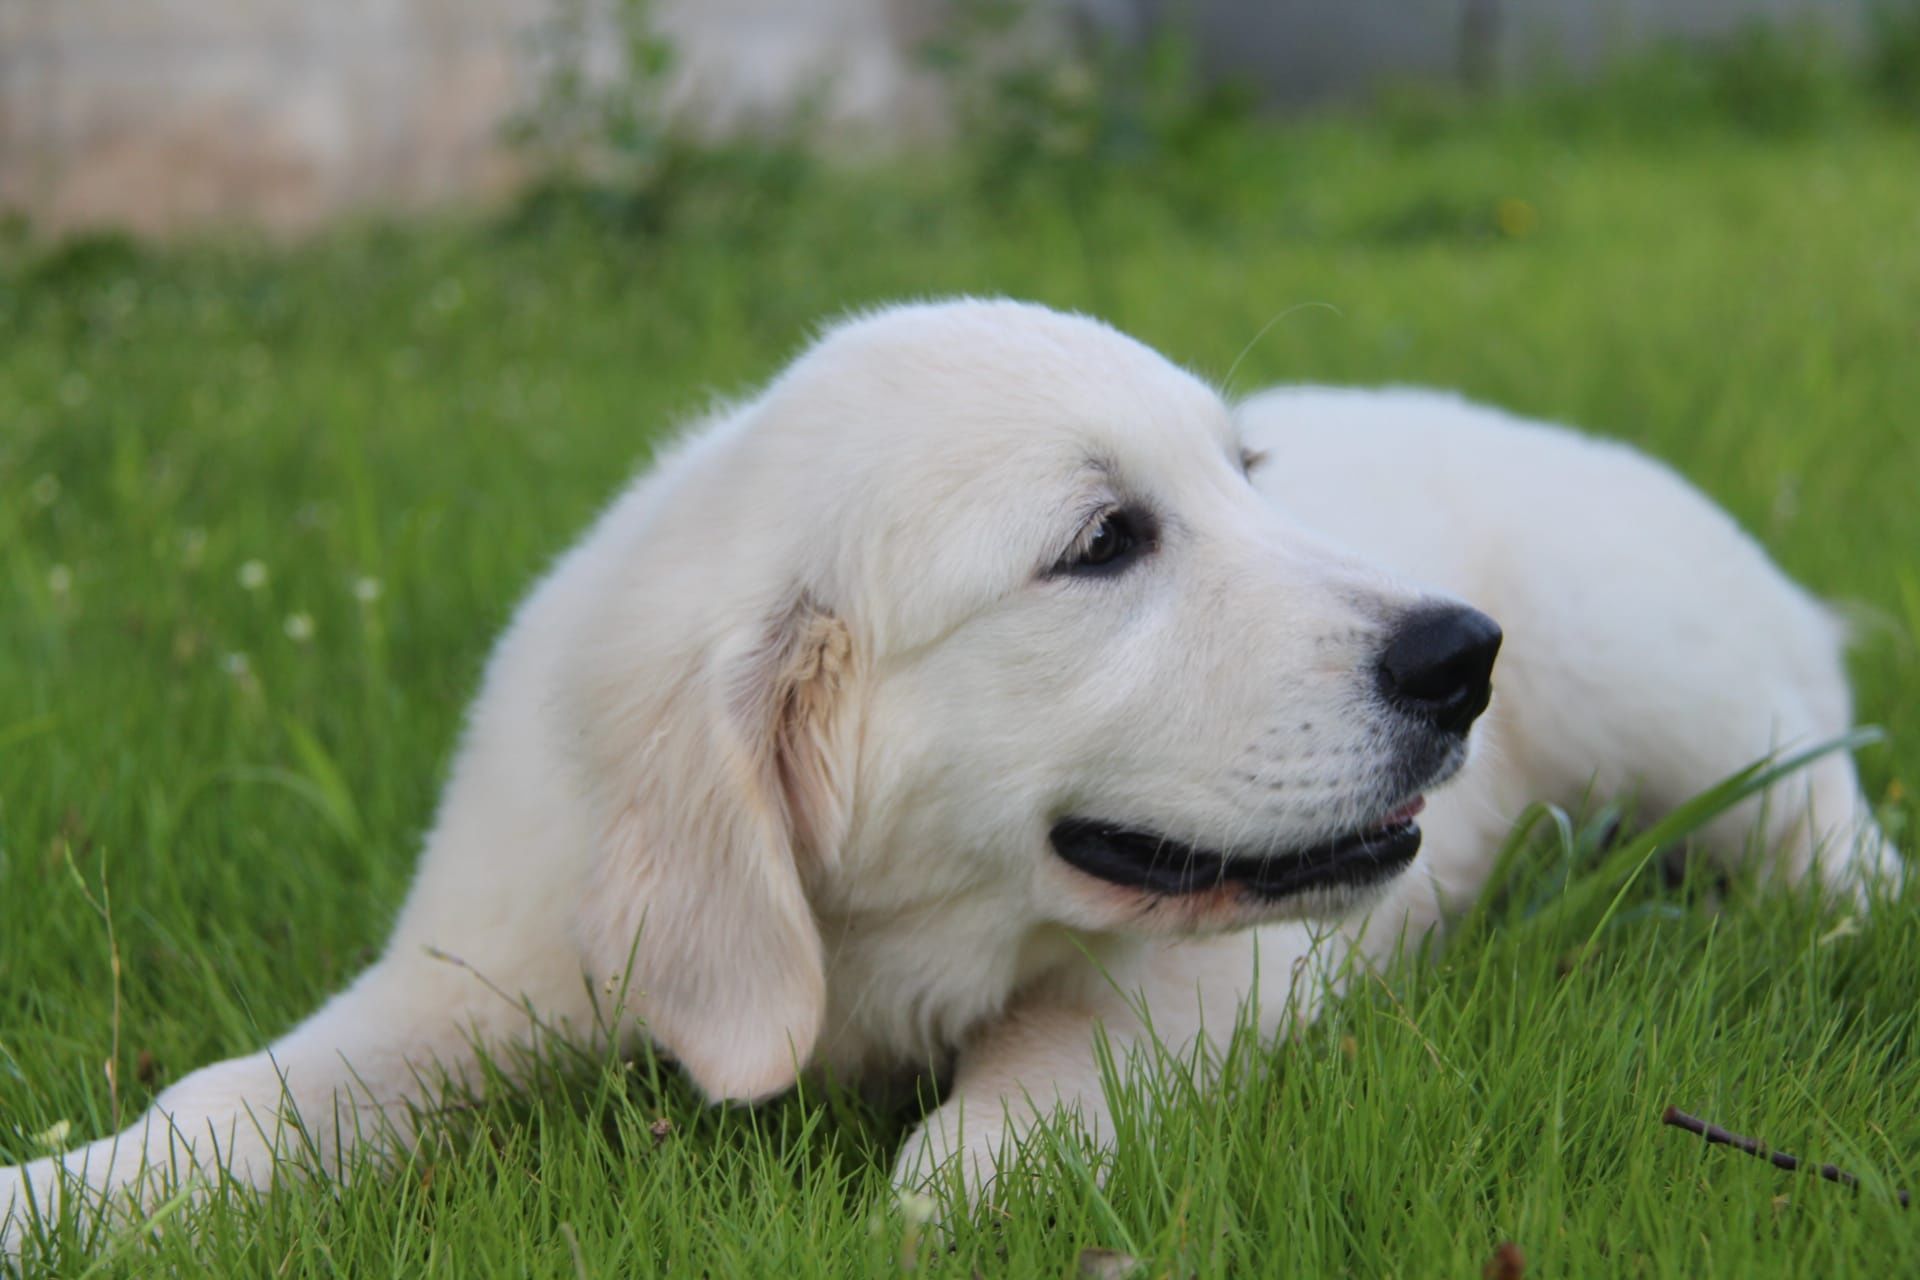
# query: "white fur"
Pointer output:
{"type": "Point", "coordinates": [764, 768]}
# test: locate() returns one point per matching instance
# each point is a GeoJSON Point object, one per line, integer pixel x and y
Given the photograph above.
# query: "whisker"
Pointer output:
{"type": "Point", "coordinates": [1226, 383]}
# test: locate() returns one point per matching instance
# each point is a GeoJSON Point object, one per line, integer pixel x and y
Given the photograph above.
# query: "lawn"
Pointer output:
{"type": "Point", "coordinates": [262, 511]}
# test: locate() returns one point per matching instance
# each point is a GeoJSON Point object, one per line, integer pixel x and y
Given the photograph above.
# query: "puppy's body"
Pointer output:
{"type": "Point", "coordinates": [765, 768]}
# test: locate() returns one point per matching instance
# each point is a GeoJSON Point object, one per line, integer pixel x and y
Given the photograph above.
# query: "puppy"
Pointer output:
{"type": "Point", "coordinates": [987, 680]}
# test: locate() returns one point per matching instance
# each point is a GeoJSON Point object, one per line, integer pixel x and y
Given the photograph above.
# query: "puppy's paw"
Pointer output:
{"type": "Point", "coordinates": [1859, 870]}
{"type": "Point", "coordinates": [951, 1147]}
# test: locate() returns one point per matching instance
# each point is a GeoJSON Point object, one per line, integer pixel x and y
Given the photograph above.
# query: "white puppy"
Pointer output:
{"type": "Point", "coordinates": [987, 679]}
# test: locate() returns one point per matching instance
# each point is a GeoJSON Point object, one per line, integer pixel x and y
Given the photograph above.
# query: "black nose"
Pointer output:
{"type": "Point", "coordinates": [1439, 666]}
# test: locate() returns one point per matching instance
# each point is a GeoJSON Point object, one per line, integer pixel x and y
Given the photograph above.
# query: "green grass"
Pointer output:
{"type": "Point", "coordinates": [439, 410]}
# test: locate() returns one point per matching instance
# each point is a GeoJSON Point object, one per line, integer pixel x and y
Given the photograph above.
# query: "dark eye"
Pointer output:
{"type": "Point", "coordinates": [1107, 545]}
{"type": "Point", "coordinates": [1112, 538]}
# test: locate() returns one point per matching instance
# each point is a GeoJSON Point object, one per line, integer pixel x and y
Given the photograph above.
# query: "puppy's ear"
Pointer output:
{"type": "Point", "coordinates": [716, 796]}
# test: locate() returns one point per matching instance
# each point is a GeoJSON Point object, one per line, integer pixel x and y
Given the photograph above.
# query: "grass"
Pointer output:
{"type": "Point", "coordinates": [396, 429]}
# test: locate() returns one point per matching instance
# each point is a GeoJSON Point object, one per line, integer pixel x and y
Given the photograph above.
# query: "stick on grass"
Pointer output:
{"type": "Point", "coordinates": [1713, 1133]}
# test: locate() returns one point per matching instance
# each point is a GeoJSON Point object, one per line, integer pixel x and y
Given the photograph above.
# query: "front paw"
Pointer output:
{"type": "Point", "coordinates": [953, 1151]}
{"type": "Point", "coordinates": [1863, 870]}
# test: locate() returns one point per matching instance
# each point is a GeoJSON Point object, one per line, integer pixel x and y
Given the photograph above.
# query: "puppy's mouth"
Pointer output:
{"type": "Point", "coordinates": [1161, 865]}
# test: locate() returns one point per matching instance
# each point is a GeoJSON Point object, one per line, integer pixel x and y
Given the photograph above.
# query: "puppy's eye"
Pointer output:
{"type": "Point", "coordinates": [1108, 544]}
{"type": "Point", "coordinates": [1251, 458]}
{"type": "Point", "coordinates": [1112, 538]}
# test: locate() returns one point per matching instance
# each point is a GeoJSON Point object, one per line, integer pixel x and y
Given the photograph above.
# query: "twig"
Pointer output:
{"type": "Point", "coordinates": [1713, 1133]}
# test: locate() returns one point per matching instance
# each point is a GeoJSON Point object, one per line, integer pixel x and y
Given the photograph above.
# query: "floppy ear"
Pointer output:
{"type": "Point", "coordinates": [716, 796]}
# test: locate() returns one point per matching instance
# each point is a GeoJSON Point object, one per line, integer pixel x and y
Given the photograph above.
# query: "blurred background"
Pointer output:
{"type": "Point", "coordinates": [158, 115]}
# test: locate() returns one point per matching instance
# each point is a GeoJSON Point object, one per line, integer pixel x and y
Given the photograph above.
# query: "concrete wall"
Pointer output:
{"type": "Point", "coordinates": [1305, 52]}
{"type": "Point", "coordinates": [163, 114]}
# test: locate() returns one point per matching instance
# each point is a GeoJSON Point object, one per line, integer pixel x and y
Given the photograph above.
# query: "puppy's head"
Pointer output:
{"type": "Point", "coordinates": [977, 601]}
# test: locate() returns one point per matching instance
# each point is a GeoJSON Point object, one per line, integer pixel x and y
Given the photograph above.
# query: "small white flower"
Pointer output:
{"type": "Point", "coordinates": [54, 1136]}
{"type": "Point", "coordinates": [366, 590]}
{"type": "Point", "coordinates": [299, 627]}
{"type": "Point", "coordinates": [236, 665]}
{"type": "Point", "coordinates": [46, 490]}
{"type": "Point", "coordinates": [253, 575]}
{"type": "Point", "coordinates": [59, 580]}
{"type": "Point", "coordinates": [916, 1208]}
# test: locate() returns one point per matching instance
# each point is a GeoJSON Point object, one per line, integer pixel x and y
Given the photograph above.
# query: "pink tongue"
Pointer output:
{"type": "Point", "coordinates": [1405, 813]}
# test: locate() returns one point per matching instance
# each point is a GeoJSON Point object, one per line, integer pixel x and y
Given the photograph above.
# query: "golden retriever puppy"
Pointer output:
{"type": "Point", "coordinates": [987, 679]}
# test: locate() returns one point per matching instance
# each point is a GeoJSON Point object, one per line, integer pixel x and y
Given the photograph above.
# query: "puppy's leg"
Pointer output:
{"type": "Point", "coordinates": [352, 1076]}
{"type": "Point", "coordinates": [1814, 822]}
{"type": "Point", "coordinates": [1042, 1058]}
{"type": "Point", "coordinates": [1037, 1060]}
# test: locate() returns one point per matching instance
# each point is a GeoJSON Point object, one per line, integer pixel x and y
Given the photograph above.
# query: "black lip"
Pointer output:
{"type": "Point", "coordinates": [1144, 860]}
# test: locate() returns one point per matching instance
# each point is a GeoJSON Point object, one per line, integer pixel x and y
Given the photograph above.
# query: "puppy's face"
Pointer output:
{"type": "Point", "coordinates": [1109, 681]}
